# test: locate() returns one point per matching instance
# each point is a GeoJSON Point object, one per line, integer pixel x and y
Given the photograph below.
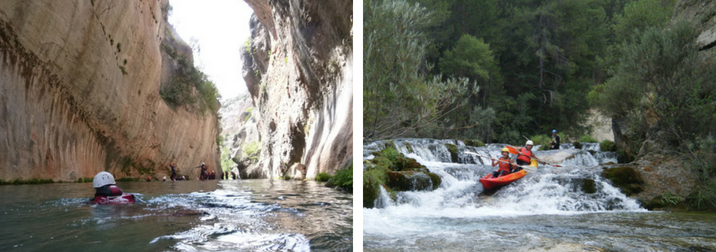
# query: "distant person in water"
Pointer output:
{"type": "Point", "coordinates": [174, 172]}
{"type": "Point", "coordinates": [554, 144]}
{"type": "Point", "coordinates": [107, 192]}
{"type": "Point", "coordinates": [506, 166]}
{"type": "Point", "coordinates": [203, 171]}
{"type": "Point", "coordinates": [526, 155]}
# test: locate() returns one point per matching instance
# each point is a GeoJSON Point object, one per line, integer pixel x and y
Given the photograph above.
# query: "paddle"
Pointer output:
{"type": "Point", "coordinates": [526, 167]}
{"type": "Point", "coordinates": [514, 151]}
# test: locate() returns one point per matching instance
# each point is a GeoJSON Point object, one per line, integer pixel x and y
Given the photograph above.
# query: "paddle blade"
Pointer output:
{"type": "Point", "coordinates": [529, 168]}
{"type": "Point", "coordinates": [512, 149]}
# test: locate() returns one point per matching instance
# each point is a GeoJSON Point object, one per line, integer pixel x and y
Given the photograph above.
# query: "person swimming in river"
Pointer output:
{"type": "Point", "coordinates": [203, 171]}
{"type": "Point", "coordinates": [506, 166]}
{"type": "Point", "coordinates": [174, 172]}
{"type": "Point", "coordinates": [107, 192]}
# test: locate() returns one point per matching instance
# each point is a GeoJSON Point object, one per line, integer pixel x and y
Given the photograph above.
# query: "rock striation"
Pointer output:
{"type": "Point", "coordinates": [298, 70]}
{"type": "Point", "coordinates": [79, 92]}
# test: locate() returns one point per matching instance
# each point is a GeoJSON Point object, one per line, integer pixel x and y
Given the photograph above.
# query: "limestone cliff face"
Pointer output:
{"type": "Point", "coordinates": [298, 69]}
{"type": "Point", "coordinates": [79, 93]}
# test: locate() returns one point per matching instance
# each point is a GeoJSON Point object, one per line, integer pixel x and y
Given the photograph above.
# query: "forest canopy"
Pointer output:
{"type": "Point", "coordinates": [498, 70]}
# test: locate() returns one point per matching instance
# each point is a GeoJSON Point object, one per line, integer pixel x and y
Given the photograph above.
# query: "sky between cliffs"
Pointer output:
{"type": "Point", "coordinates": [216, 30]}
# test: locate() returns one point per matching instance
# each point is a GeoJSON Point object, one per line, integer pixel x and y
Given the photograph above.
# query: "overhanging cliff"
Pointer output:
{"type": "Point", "coordinates": [298, 69]}
{"type": "Point", "coordinates": [80, 93]}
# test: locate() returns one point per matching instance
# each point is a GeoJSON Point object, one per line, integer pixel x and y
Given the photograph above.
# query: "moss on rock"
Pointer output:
{"type": "Point", "coordinates": [395, 172]}
{"type": "Point", "coordinates": [436, 180]}
{"type": "Point", "coordinates": [588, 186]}
{"type": "Point", "coordinates": [473, 142]}
{"type": "Point", "coordinates": [453, 152]}
{"type": "Point", "coordinates": [373, 179]}
{"type": "Point", "coordinates": [607, 145]}
{"type": "Point", "coordinates": [625, 178]}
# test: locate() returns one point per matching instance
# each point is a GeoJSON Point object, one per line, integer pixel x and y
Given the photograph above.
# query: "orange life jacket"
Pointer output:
{"type": "Point", "coordinates": [526, 154]}
{"type": "Point", "coordinates": [504, 166]}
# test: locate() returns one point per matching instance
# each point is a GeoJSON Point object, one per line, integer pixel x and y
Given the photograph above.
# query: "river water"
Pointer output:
{"type": "Point", "coordinates": [238, 215]}
{"type": "Point", "coordinates": [545, 211]}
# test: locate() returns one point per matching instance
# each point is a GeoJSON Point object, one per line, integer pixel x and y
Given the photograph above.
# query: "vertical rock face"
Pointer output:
{"type": "Point", "coordinates": [298, 69]}
{"type": "Point", "coordinates": [79, 93]}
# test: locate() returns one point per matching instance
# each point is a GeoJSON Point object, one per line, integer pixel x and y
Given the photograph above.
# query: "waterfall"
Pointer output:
{"type": "Point", "coordinates": [575, 187]}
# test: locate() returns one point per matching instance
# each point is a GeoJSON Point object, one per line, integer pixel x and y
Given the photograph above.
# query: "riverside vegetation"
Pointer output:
{"type": "Point", "coordinates": [501, 70]}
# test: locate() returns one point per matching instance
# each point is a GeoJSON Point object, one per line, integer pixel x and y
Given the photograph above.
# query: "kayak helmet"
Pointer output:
{"type": "Point", "coordinates": [102, 179]}
{"type": "Point", "coordinates": [529, 142]}
{"type": "Point", "coordinates": [505, 149]}
{"type": "Point", "coordinates": [554, 131]}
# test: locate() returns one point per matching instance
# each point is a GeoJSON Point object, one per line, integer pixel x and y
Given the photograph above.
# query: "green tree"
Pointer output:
{"type": "Point", "coordinates": [397, 99]}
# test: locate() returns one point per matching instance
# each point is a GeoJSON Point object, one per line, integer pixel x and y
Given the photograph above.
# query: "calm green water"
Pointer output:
{"type": "Point", "coordinates": [240, 215]}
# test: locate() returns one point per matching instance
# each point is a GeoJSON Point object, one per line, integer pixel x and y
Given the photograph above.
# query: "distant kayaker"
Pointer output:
{"type": "Point", "coordinates": [203, 171]}
{"type": "Point", "coordinates": [107, 192]}
{"type": "Point", "coordinates": [554, 144]}
{"type": "Point", "coordinates": [505, 163]}
{"type": "Point", "coordinates": [174, 172]}
{"type": "Point", "coordinates": [526, 155]}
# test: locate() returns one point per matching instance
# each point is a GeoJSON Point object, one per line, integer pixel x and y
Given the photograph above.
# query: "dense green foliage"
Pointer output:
{"type": "Point", "coordinates": [323, 177]}
{"type": "Point", "coordinates": [189, 86]}
{"type": "Point", "coordinates": [344, 179]}
{"type": "Point", "coordinates": [397, 97]}
{"type": "Point", "coordinates": [530, 64]}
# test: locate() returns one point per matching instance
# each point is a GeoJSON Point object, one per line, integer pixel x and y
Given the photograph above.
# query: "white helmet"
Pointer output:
{"type": "Point", "coordinates": [102, 179]}
{"type": "Point", "coordinates": [529, 142]}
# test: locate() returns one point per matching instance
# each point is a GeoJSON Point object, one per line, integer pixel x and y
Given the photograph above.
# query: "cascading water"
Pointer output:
{"type": "Point", "coordinates": [529, 212]}
{"type": "Point", "coordinates": [550, 190]}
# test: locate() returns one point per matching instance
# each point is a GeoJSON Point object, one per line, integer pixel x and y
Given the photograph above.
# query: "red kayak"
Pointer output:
{"type": "Point", "coordinates": [489, 182]}
{"type": "Point", "coordinates": [123, 199]}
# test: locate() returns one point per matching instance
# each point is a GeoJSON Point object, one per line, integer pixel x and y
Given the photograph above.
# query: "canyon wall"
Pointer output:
{"type": "Point", "coordinates": [298, 69]}
{"type": "Point", "coordinates": [79, 92]}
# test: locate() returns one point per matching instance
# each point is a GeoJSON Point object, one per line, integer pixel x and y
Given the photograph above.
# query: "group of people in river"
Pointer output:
{"type": "Point", "coordinates": [525, 155]}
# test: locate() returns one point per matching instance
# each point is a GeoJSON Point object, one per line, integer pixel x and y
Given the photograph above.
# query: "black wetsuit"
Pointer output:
{"type": "Point", "coordinates": [174, 172]}
{"type": "Point", "coordinates": [555, 143]}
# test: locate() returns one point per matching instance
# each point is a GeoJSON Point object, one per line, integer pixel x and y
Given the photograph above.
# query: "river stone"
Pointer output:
{"type": "Point", "coordinates": [409, 181]}
{"type": "Point", "coordinates": [453, 152]}
{"type": "Point", "coordinates": [625, 178]}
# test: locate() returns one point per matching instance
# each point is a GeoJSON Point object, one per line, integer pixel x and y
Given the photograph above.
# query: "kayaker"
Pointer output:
{"type": "Point", "coordinates": [174, 172]}
{"type": "Point", "coordinates": [554, 144]}
{"type": "Point", "coordinates": [203, 171]}
{"type": "Point", "coordinates": [526, 155]}
{"type": "Point", "coordinates": [505, 163]}
{"type": "Point", "coordinates": [107, 192]}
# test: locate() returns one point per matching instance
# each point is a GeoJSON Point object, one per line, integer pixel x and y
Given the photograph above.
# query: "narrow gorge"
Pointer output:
{"type": "Point", "coordinates": [89, 86]}
{"type": "Point", "coordinates": [298, 70]}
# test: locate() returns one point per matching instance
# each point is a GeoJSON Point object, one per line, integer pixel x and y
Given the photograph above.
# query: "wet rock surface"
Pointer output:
{"type": "Point", "coordinates": [299, 73]}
